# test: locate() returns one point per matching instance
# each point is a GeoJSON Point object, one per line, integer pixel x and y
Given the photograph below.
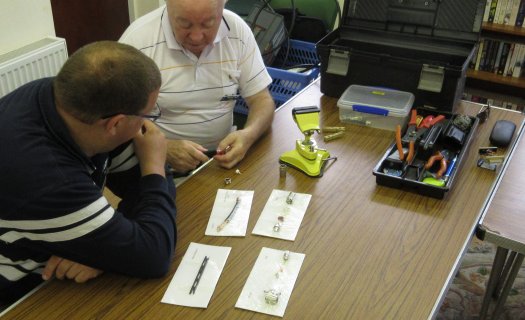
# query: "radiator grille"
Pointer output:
{"type": "Point", "coordinates": [40, 59]}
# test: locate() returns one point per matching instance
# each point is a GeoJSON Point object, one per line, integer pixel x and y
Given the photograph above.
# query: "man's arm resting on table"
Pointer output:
{"type": "Point", "coordinates": [260, 116]}
{"type": "Point", "coordinates": [139, 238]}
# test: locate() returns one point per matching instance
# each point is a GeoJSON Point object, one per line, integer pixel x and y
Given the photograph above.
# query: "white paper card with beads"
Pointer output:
{"type": "Point", "coordinates": [230, 213]}
{"type": "Point", "coordinates": [271, 281]}
{"type": "Point", "coordinates": [282, 215]}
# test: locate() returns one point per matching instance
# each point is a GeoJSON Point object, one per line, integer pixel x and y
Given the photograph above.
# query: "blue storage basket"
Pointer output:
{"type": "Point", "coordinates": [300, 52]}
{"type": "Point", "coordinates": [285, 84]}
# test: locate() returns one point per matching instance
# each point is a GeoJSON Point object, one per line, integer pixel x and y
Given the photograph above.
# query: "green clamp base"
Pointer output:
{"type": "Point", "coordinates": [313, 168]}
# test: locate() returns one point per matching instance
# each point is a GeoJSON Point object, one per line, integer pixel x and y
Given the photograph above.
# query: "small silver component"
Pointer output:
{"type": "Point", "coordinates": [271, 296]}
{"type": "Point", "coordinates": [282, 170]}
{"type": "Point", "coordinates": [286, 255]}
{"type": "Point", "coordinates": [290, 197]}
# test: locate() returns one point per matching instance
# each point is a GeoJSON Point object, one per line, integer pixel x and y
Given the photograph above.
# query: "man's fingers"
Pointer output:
{"type": "Point", "coordinates": [50, 267]}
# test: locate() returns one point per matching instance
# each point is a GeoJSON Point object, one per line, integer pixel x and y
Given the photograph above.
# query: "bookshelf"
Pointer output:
{"type": "Point", "coordinates": [493, 85]}
{"type": "Point", "coordinates": [506, 33]}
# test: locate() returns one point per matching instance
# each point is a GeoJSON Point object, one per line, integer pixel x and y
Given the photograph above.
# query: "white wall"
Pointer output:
{"type": "Point", "coordinates": [23, 22]}
{"type": "Point", "coordinates": [138, 8]}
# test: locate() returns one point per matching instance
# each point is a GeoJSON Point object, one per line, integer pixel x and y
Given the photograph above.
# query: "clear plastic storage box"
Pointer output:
{"type": "Point", "coordinates": [376, 107]}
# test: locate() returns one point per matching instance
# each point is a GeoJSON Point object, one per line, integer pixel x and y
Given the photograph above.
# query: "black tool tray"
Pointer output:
{"type": "Point", "coordinates": [392, 172]}
{"type": "Point", "coordinates": [418, 46]}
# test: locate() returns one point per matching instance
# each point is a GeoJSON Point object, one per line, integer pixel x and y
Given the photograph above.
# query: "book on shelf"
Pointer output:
{"type": "Point", "coordinates": [513, 58]}
{"type": "Point", "coordinates": [514, 12]}
{"type": "Point", "coordinates": [498, 16]}
{"type": "Point", "coordinates": [479, 53]}
{"type": "Point", "coordinates": [492, 55]}
{"type": "Point", "coordinates": [505, 12]}
{"type": "Point", "coordinates": [499, 57]}
{"type": "Point", "coordinates": [508, 12]}
{"type": "Point", "coordinates": [492, 12]}
{"type": "Point", "coordinates": [487, 11]}
{"type": "Point", "coordinates": [495, 67]}
{"type": "Point", "coordinates": [508, 59]}
{"type": "Point", "coordinates": [503, 58]}
{"type": "Point", "coordinates": [521, 14]}
{"type": "Point", "coordinates": [518, 65]}
{"type": "Point", "coordinates": [484, 54]}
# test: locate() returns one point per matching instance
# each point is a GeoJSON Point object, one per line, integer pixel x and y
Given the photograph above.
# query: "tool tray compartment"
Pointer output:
{"type": "Point", "coordinates": [450, 137]}
{"type": "Point", "coordinates": [418, 46]}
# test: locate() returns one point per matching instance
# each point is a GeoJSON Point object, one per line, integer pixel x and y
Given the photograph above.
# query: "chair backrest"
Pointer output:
{"type": "Point", "coordinates": [326, 10]}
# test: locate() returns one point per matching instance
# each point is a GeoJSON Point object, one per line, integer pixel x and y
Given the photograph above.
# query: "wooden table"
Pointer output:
{"type": "Point", "coordinates": [372, 252]}
{"type": "Point", "coordinates": [503, 223]}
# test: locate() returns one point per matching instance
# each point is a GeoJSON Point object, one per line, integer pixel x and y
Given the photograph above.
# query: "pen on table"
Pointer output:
{"type": "Point", "coordinates": [221, 152]}
{"type": "Point", "coordinates": [199, 275]}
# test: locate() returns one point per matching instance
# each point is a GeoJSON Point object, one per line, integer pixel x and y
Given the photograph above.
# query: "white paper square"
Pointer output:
{"type": "Point", "coordinates": [224, 203]}
{"type": "Point", "coordinates": [271, 271]}
{"type": "Point", "coordinates": [178, 291]}
{"type": "Point", "coordinates": [277, 210]}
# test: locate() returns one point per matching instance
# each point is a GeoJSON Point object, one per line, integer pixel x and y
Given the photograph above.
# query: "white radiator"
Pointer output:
{"type": "Point", "coordinates": [40, 59]}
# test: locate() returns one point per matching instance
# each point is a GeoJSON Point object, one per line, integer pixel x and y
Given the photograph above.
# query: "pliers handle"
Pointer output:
{"type": "Point", "coordinates": [429, 121]}
{"type": "Point", "coordinates": [438, 156]}
{"type": "Point", "coordinates": [399, 145]}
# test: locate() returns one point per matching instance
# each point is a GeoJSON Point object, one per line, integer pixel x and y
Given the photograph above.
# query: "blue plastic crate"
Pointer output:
{"type": "Point", "coordinates": [285, 84]}
{"type": "Point", "coordinates": [300, 52]}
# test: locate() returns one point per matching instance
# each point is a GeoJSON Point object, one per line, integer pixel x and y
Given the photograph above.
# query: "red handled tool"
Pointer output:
{"type": "Point", "coordinates": [416, 129]}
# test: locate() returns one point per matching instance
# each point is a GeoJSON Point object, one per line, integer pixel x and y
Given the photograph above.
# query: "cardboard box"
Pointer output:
{"type": "Point", "coordinates": [375, 107]}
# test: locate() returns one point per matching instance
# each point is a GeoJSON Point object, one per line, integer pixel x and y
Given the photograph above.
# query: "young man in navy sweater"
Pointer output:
{"type": "Point", "coordinates": [62, 141]}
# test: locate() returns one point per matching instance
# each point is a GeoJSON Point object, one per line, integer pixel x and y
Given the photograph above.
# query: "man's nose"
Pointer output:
{"type": "Point", "coordinates": [196, 35]}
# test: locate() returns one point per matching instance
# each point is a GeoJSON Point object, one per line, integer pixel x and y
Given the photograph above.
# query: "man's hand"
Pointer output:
{"type": "Point", "coordinates": [184, 155]}
{"type": "Point", "coordinates": [63, 268]}
{"type": "Point", "coordinates": [150, 148]}
{"type": "Point", "coordinates": [260, 116]}
{"type": "Point", "coordinates": [234, 148]}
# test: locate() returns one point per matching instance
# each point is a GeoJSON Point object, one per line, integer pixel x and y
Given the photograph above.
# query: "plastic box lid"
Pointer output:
{"type": "Point", "coordinates": [376, 100]}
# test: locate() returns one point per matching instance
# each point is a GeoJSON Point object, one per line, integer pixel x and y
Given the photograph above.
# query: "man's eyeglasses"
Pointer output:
{"type": "Point", "coordinates": [152, 116]}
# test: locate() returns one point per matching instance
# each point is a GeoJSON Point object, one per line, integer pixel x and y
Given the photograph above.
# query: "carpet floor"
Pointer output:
{"type": "Point", "coordinates": [465, 296]}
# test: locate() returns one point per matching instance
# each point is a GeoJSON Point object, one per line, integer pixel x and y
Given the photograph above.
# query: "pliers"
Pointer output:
{"type": "Point", "coordinates": [417, 127]}
{"type": "Point", "coordinates": [442, 157]}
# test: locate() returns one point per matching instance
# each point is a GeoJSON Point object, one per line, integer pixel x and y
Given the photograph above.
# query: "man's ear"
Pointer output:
{"type": "Point", "coordinates": [112, 124]}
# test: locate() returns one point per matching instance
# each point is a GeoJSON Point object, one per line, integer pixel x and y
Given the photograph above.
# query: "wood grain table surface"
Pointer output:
{"type": "Point", "coordinates": [372, 252]}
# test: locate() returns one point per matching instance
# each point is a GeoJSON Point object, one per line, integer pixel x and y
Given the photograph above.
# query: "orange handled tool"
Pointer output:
{"type": "Point", "coordinates": [399, 144]}
{"type": "Point", "coordinates": [438, 156]}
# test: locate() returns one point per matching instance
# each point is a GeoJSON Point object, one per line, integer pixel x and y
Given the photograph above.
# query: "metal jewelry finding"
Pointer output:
{"type": "Point", "coordinates": [271, 296]}
{"type": "Point", "coordinates": [286, 255]}
{"type": "Point", "coordinates": [290, 197]}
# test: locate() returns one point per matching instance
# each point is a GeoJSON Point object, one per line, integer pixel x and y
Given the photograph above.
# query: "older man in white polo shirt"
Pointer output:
{"type": "Point", "coordinates": [207, 55]}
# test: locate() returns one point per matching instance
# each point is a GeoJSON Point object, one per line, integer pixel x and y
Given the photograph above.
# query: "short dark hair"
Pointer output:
{"type": "Point", "coordinates": [104, 78]}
